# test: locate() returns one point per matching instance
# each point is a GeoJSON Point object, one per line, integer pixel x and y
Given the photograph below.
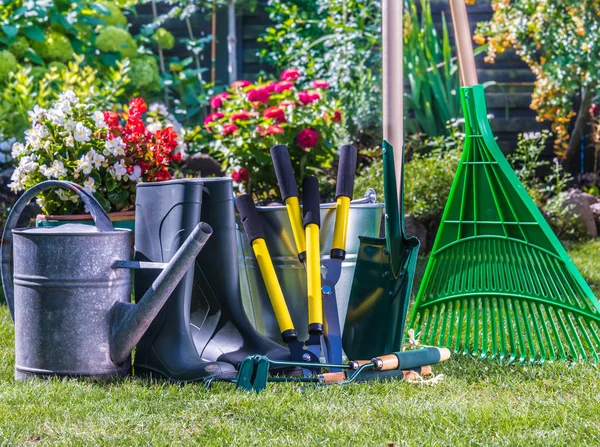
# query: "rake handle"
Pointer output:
{"type": "Point", "coordinates": [464, 45]}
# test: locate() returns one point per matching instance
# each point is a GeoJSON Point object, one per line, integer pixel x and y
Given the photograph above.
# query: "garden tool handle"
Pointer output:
{"type": "Point", "coordinates": [256, 237]}
{"type": "Point", "coordinates": [290, 195]}
{"type": "Point", "coordinates": [343, 196]}
{"type": "Point", "coordinates": [312, 221]}
{"type": "Point", "coordinates": [411, 359]}
{"type": "Point", "coordinates": [464, 44]}
{"type": "Point", "coordinates": [101, 220]}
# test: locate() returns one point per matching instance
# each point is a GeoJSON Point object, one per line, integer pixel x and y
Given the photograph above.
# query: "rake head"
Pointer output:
{"type": "Point", "coordinates": [499, 284]}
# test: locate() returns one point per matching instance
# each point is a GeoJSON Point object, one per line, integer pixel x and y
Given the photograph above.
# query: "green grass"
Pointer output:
{"type": "Point", "coordinates": [478, 403]}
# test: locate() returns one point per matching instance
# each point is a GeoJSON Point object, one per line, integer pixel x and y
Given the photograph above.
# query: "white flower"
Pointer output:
{"type": "Point", "coordinates": [17, 149]}
{"type": "Point", "coordinates": [70, 125]}
{"type": "Point", "coordinates": [68, 96]}
{"type": "Point", "coordinates": [118, 170]}
{"type": "Point", "coordinates": [99, 120]}
{"type": "Point", "coordinates": [69, 140]}
{"type": "Point", "coordinates": [136, 175]}
{"type": "Point", "coordinates": [35, 135]}
{"type": "Point", "coordinates": [56, 170]}
{"type": "Point", "coordinates": [40, 202]}
{"type": "Point", "coordinates": [57, 116]}
{"type": "Point", "coordinates": [88, 185]}
{"type": "Point", "coordinates": [116, 146]}
{"type": "Point", "coordinates": [82, 133]}
{"type": "Point", "coordinates": [531, 135]}
{"type": "Point", "coordinates": [158, 107]}
{"type": "Point", "coordinates": [84, 165]}
{"type": "Point", "coordinates": [37, 114]}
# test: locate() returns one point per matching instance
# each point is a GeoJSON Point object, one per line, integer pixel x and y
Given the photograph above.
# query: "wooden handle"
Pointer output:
{"type": "Point", "coordinates": [464, 45]}
{"type": "Point", "coordinates": [332, 377]}
{"type": "Point", "coordinates": [386, 362]}
{"type": "Point", "coordinates": [393, 82]}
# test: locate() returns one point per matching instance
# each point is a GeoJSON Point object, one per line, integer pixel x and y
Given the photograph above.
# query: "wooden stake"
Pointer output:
{"type": "Point", "coordinates": [464, 45]}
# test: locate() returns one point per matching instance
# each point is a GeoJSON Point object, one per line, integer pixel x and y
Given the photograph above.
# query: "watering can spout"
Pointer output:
{"type": "Point", "coordinates": [130, 321]}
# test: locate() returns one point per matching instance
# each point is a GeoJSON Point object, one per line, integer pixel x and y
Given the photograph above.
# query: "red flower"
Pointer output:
{"type": "Point", "coordinates": [258, 95]}
{"type": "Point", "coordinates": [275, 129]}
{"type": "Point", "coordinates": [228, 129]}
{"type": "Point", "coordinates": [308, 96]}
{"type": "Point", "coordinates": [320, 83]}
{"type": "Point", "coordinates": [261, 130]}
{"type": "Point", "coordinates": [240, 84]}
{"type": "Point", "coordinates": [593, 110]}
{"type": "Point", "coordinates": [212, 117]}
{"type": "Point", "coordinates": [337, 116]}
{"type": "Point", "coordinates": [270, 87]}
{"type": "Point", "coordinates": [162, 175]}
{"type": "Point", "coordinates": [167, 139]}
{"type": "Point", "coordinates": [287, 103]}
{"type": "Point", "coordinates": [275, 113]}
{"type": "Point", "coordinates": [307, 138]}
{"type": "Point", "coordinates": [241, 175]}
{"type": "Point", "coordinates": [217, 100]}
{"type": "Point", "coordinates": [111, 118]}
{"type": "Point", "coordinates": [137, 107]}
{"type": "Point", "coordinates": [283, 86]}
{"type": "Point", "coordinates": [291, 74]}
{"type": "Point", "coordinates": [240, 116]}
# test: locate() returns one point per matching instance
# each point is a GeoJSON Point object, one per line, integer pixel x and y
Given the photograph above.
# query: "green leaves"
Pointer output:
{"type": "Point", "coordinates": [34, 33]}
{"type": "Point", "coordinates": [10, 30]}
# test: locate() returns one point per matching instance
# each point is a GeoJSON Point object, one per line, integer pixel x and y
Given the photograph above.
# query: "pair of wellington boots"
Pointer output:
{"type": "Point", "coordinates": [202, 332]}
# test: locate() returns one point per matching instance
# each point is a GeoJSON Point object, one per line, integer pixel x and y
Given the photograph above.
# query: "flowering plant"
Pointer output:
{"type": "Point", "coordinates": [105, 152]}
{"type": "Point", "coordinates": [249, 119]}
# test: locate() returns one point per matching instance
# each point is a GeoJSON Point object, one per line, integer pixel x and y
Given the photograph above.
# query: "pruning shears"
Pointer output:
{"type": "Point", "coordinates": [303, 352]}
{"type": "Point", "coordinates": [322, 302]}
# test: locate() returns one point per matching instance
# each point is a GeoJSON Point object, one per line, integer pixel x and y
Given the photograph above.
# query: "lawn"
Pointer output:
{"type": "Point", "coordinates": [477, 403]}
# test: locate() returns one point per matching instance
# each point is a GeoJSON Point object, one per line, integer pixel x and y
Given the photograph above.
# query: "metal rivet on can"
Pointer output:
{"type": "Point", "coordinates": [306, 357]}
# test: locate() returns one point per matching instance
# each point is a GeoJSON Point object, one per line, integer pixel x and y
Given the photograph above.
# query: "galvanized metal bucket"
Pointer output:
{"type": "Point", "coordinates": [365, 220]}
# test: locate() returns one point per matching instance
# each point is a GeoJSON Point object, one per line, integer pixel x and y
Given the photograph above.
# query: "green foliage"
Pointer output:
{"type": "Point", "coordinates": [164, 39]}
{"type": "Point", "coordinates": [115, 16]}
{"type": "Point", "coordinates": [340, 40]}
{"type": "Point", "coordinates": [54, 47]}
{"type": "Point", "coordinates": [337, 40]}
{"type": "Point", "coordinates": [25, 90]}
{"type": "Point", "coordinates": [144, 74]}
{"type": "Point", "coordinates": [432, 99]}
{"type": "Point", "coordinates": [117, 40]}
{"type": "Point", "coordinates": [8, 64]}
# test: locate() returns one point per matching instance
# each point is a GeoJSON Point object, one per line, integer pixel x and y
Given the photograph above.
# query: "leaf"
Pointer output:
{"type": "Point", "coordinates": [94, 21]}
{"type": "Point", "coordinates": [117, 196]}
{"type": "Point", "coordinates": [110, 59]}
{"type": "Point", "coordinates": [34, 33]}
{"type": "Point", "coordinates": [33, 56]}
{"type": "Point", "coordinates": [10, 30]}
{"type": "Point", "coordinates": [100, 8]}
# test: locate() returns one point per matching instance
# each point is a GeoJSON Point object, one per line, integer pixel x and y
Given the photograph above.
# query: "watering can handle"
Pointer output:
{"type": "Point", "coordinates": [102, 221]}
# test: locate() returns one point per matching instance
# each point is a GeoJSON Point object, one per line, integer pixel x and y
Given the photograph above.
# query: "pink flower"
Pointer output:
{"type": "Point", "coordinates": [217, 100]}
{"type": "Point", "coordinates": [241, 175]}
{"type": "Point", "coordinates": [320, 83]}
{"type": "Point", "coordinates": [212, 117]}
{"type": "Point", "coordinates": [240, 116]}
{"type": "Point", "coordinates": [291, 74]}
{"type": "Point", "coordinates": [270, 87]}
{"type": "Point", "coordinates": [240, 84]}
{"type": "Point", "coordinates": [275, 129]}
{"type": "Point", "coordinates": [228, 129]}
{"type": "Point", "coordinates": [287, 103]}
{"type": "Point", "coordinates": [275, 113]}
{"type": "Point", "coordinates": [258, 95]}
{"type": "Point", "coordinates": [307, 138]}
{"type": "Point", "coordinates": [308, 96]}
{"type": "Point", "coordinates": [283, 86]}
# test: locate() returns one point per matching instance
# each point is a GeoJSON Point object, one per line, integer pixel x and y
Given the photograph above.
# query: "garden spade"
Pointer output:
{"type": "Point", "coordinates": [385, 266]}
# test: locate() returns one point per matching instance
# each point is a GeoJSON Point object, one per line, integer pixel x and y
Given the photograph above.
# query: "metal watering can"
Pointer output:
{"type": "Point", "coordinates": [70, 301]}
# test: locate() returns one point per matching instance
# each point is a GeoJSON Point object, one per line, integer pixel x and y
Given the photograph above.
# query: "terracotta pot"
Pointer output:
{"type": "Point", "coordinates": [121, 219]}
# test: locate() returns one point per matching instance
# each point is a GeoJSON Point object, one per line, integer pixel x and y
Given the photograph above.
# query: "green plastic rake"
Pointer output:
{"type": "Point", "coordinates": [498, 283]}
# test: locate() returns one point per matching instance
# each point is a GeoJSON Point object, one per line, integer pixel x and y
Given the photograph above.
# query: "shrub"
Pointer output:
{"type": "Point", "coordinates": [8, 64]}
{"type": "Point", "coordinates": [117, 40]}
{"type": "Point", "coordinates": [250, 118]}
{"type": "Point", "coordinates": [54, 47]}
{"type": "Point", "coordinates": [101, 151]}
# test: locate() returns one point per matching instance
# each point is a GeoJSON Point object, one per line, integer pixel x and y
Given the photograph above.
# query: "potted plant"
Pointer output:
{"type": "Point", "coordinates": [249, 118]}
{"type": "Point", "coordinates": [106, 152]}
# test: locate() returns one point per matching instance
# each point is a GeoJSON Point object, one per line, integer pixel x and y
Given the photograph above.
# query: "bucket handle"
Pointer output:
{"type": "Point", "coordinates": [101, 220]}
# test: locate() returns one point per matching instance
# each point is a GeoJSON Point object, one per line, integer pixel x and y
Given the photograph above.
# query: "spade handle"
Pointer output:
{"type": "Point", "coordinates": [464, 45]}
